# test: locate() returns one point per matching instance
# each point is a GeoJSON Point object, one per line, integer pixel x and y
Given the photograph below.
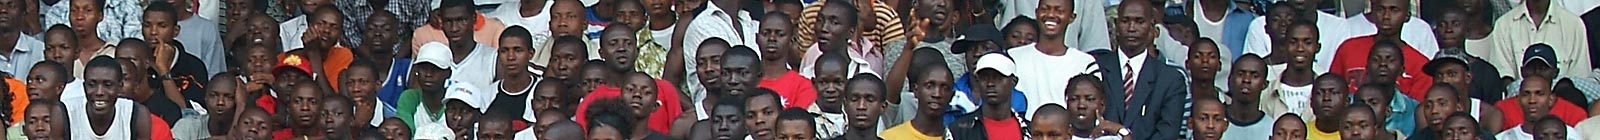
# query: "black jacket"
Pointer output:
{"type": "Point", "coordinates": [1155, 111]}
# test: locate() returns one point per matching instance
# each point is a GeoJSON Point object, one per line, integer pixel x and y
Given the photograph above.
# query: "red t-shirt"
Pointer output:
{"type": "Point", "coordinates": [1351, 61]}
{"type": "Point", "coordinates": [659, 121]}
{"type": "Point", "coordinates": [158, 129]}
{"type": "Point", "coordinates": [267, 102]}
{"type": "Point", "coordinates": [1002, 129]}
{"type": "Point", "coordinates": [795, 89]}
{"type": "Point", "coordinates": [1569, 113]}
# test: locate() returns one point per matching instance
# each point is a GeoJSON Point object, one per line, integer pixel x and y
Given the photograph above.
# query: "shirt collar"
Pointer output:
{"type": "Point", "coordinates": [22, 47]}
{"type": "Point", "coordinates": [1527, 13]}
{"type": "Point", "coordinates": [1136, 61]}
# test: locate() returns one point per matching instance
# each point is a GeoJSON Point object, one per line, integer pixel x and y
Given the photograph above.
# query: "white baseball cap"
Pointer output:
{"type": "Point", "coordinates": [997, 61]}
{"type": "Point", "coordinates": [435, 53]}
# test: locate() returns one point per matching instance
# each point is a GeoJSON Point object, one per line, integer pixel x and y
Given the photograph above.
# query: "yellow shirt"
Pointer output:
{"type": "Point", "coordinates": [904, 131]}
{"type": "Point", "coordinates": [1316, 134]}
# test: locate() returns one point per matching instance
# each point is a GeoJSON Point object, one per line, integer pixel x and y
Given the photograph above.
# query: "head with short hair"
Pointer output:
{"type": "Point", "coordinates": [776, 36]}
{"type": "Point", "coordinates": [1535, 98]}
{"type": "Point", "coordinates": [1460, 126]}
{"type": "Point", "coordinates": [47, 80]}
{"type": "Point", "coordinates": [337, 113]}
{"type": "Point", "coordinates": [455, 19]}
{"type": "Point", "coordinates": [1204, 60]}
{"type": "Point", "coordinates": [60, 44]}
{"type": "Point", "coordinates": [160, 23]}
{"type": "Point", "coordinates": [741, 70]}
{"type": "Point", "coordinates": [1329, 95]}
{"type": "Point", "coordinates": [761, 112]}
{"type": "Point", "coordinates": [727, 118]}
{"type": "Point", "coordinates": [393, 128]}
{"type": "Point", "coordinates": [256, 123]}
{"type": "Point", "coordinates": [563, 130]}
{"type": "Point", "coordinates": [567, 18]}
{"type": "Point", "coordinates": [1054, 16]}
{"type": "Point", "coordinates": [1440, 101]}
{"type": "Point", "coordinates": [223, 99]}
{"type": "Point", "coordinates": [1021, 31]}
{"type": "Point", "coordinates": [1378, 96]}
{"type": "Point", "coordinates": [47, 118]}
{"type": "Point", "coordinates": [708, 58]}
{"type": "Point", "coordinates": [1289, 127]}
{"type": "Point", "coordinates": [864, 100]}
{"type": "Point", "coordinates": [1360, 122]}
{"type": "Point", "coordinates": [1548, 128]}
{"type": "Point", "coordinates": [1050, 122]}
{"type": "Point", "coordinates": [1248, 78]}
{"type": "Point", "coordinates": [797, 125]}
{"type": "Point", "coordinates": [610, 125]}
{"type": "Point", "coordinates": [1208, 120]}
{"type": "Point", "coordinates": [830, 80]}
{"type": "Point", "coordinates": [1385, 62]}
{"type": "Point", "coordinates": [593, 74]}
{"type": "Point", "coordinates": [1136, 20]}
{"type": "Point", "coordinates": [567, 57]}
{"type": "Point", "coordinates": [102, 82]}
{"type": "Point", "coordinates": [619, 47]}
{"type": "Point", "coordinates": [836, 23]}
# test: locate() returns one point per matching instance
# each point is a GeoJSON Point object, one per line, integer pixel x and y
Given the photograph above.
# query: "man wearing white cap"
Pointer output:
{"type": "Point", "coordinates": [423, 105]}
{"type": "Point", "coordinates": [461, 114]}
{"type": "Point", "coordinates": [994, 83]}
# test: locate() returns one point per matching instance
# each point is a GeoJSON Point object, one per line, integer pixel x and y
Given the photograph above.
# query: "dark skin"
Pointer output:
{"type": "Point", "coordinates": [619, 47]}
{"type": "Point", "coordinates": [1377, 99]}
{"type": "Point", "coordinates": [304, 105]}
{"type": "Point", "coordinates": [1435, 105]}
{"type": "Point", "coordinates": [456, 23]}
{"type": "Point", "coordinates": [51, 120]}
{"type": "Point", "coordinates": [776, 37]}
{"type": "Point", "coordinates": [631, 13]}
{"type": "Point", "coordinates": [710, 69]}
{"type": "Point", "coordinates": [605, 132]}
{"type": "Point", "coordinates": [675, 52]}
{"type": "Point", "coordinates": [1537, 10]}
{"type": "Point", "coordinates": [254, 123]}
{"type": "Point", "coordinates": [84, 15]}
{"type": "Point", "coordinates": [1384, 63]}
{"type": "Point", "coordinates": [546, 96]}
{"type": "Point", "coordinates": [100, 86]}
{"type": "Point", "coordinates": [394, 129]}
{"type": "Point", "coordinates": [742, 75]}
{"type": "Point", "coordinates": [45, 83]}
{"type": "Point", "coordinates": [431, 81]}
{"type": "Point", "coordinates": [864, 103]}
{"type": "Point", "coordinates": [1329, 97]}
{"type": "Point", "coordinates": [1208, 120]}
{"type": "Point", "coordinates": [640, 93]}
{"type": "Point", "coordinates": [514, 53]}
{"type": "Point", "coordinates": [1450, 29]}
{"type": "Point", "coordinates": [1460, 128]}
{"type": "Point", "coordinates": [1535, 99]}
{"type": "Point", "coordinates": [223, 98]}
{"type": "Point", "coordinates": [1215, 10]}
{"type": "Point", "coordinates": [1278, 20]}
{"type": "Point", "coordinates": [727, 124]}
{"type": "Point", "coordinates": [60, 46]}
{"type": "Point", "coordinates": [660, 13]}
{"type": "Point", "coordinates": [1135, 29]}
{"type": "Point", "coordinates": [10, 19]}
{"type": "Point", "coordinates": [933, 94]}
{"type": "Point", "coordinates": [239, 11]}
{"type": "Point", "coordinates": [1086, 106]}
{"type": "Point", "coordinates": [1550, 130]}
{"type": "Point", "coordinates": [1390, 15]}
{"type": "Point", "coordinates": [384, 52]}
{"type": "Point", "coordinates": [1204, 62]}
{"type": "Point", "coordinates": [162, 27]}
{"type": "Point", "coordinates": [458, 111]}
{"type": "Point", "coordinates": [1288, 128]}
{"type": "Point", "coordinates": [495, 129]}
{"type": "Point", "coordinates": [337, 116]}
{"type": "Point", "coordinates": [1022, 34]}
{"type": "Point", "coordinates": [1049, 124]}
{"type": "Point", "coordinates": [833, 28]}
{"type": "Point", "coordinates": [531, 7]}
{"type": "Point", "coordinates": [830, 82]}
{"type": "Point", "coordinates": [996, 89]}
{"type": "Point", "coordinates": [593, 77]}
{"type": "Point", "coordinates": [799, 130]}
{"type": "Point", "coordinates": [361, 85]}
{"type": "Point", "coordinates": [257, 59]}
{"type": "Point", "coordinates": [1054, 16]}
{"type": "Point", "coordinates": [761, 113]}
{"type": "Point", "coordinates": [1360, 124]}
{"type": "Point", "coordinates": [1455, 74]}
{"type": "Point", "coordinates": [1248, 79]}
{"type": "Point", "coordinates": [566, 60]}
{"type": "Point", "coordinates": [566, 18]}
{"type": "Point", "coordinates": [1474, 11]}
{"type": "Point", "coordinates": [1303, 48]}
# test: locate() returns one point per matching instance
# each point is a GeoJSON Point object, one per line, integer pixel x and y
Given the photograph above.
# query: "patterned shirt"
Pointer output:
{"type": "Point", "coordinates": [411, 13]}
{"type": "Point", "coordinates": [123, 19]}
{"type": "Point", "coordinates": [888, 25]}
{"type": "Point", "coordinates": [355, 17]}
{"type": "Point", "coordinates": [56, 14]}
{"type": "Point", "coordinates": [652, 56]}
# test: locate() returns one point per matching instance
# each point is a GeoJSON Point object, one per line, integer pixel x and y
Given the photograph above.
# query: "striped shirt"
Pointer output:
{"type": "Point", "coordinates": [888, 25]}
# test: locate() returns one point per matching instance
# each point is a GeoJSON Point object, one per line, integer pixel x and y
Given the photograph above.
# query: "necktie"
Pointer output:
{"type": "Point", "coordinates": [1127, 84]}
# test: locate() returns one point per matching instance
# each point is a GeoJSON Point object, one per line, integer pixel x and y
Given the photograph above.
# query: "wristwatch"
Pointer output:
{"type": "Point", "coordinates": [167, 76]}
{"type": "Point", "coordinates": [1123, 131]}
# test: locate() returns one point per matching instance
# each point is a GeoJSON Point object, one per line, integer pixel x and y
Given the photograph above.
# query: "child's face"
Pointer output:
{"type": "Point", "coordinates": [45, 122]}
{"type": "Point", "coordinates": [1289, 129]}
{"type": "Point", "coordinates": [1084, 103]}
{"type": "Point", "coordinates": [727, 122]}
{"type": "Point", "coordinates": [361, 85]}
{"type": "Point", "coordinates": [514, 53]}
{"type": "Point", "coordinates": [1208, 120]}
{"type": "Point", "coordinates": [641, 93]}
{"type": "Point", "coordinates": [1022, 34]}
{"type": "Point", "coordinates": [933, 92]}
{"type": "Point", "coordinates": [160, 27]}
{"type": "Point", "coordinates": [796, 130]}
{"type": "Point", "coordinates": [305, 105]}
{"type": "Point", "coordinates": [1303, 46]}
{"type": "Point", "coordinates": [1360, 124]}
{"type": "Point", "coordinates": [1049, 127]}
{"type": "Point", "coordinates": [43, 84]}
{"type": "Point", "coordinates": [762, 113]}
{"type": "Point", "coordinates": [394, 129]}
{"type": "Point", "coordinates": [338, 118]}
{"type": "Point", "coordinates": [864, 103]}
{"type": "Point", "coordinates": [567, 19]}
{"type": "Point", "coordinates": [60, 47]}
{"type": "Point", "coordinates": [1054, 16]}
{"type": "Point", "coordinates": [830, 83]}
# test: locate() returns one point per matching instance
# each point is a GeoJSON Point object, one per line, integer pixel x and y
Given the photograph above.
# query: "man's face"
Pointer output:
{"type": "Point", "coordinates": [1203, 61]}
{"type": "Point", "coordinates": [1390, 15]}
{"type": "Point", "coordinates": [1455, 75]}
{"type": "Point", "coordinates": [977, 50]}
{"type": "Point", "coordinates": [238, 10]}
{"type": "Point", "coordinates": [1278, 22]}
{"type": "Point", "coordinates": [463, 117]}
{"type": "Point", "coordinates": [1329, 98]}
{"type": "Point", "coordinates": [43, 84]}
{"type": "Point", "coordinates": [135, 82]}
{"type": "Point", "coordinates": [632, 15]}
{"type": "Point", "coordinates": [933, 92]}
{"type": "Point", "coordinates": [254, 126]}
{"type": "Point", "coordinates": [1208, 121]}
{"type": "Point", "coordinates": [456, 22]}
{"type": "Point", "coordinates": [494, 130]}
{"type": "Point", "coordinates": [1549, 132]}
{"type": "Point", "coordinates": [1303, 46]}
{"type": "Point", "coordinates": [996, 88]}
{"type": "Point", "coordinates": [1134, 27]}
{"type": "Point", "coordinates": [727, 124]}
{"type": "Point", "coordinates": [258, 64]}
{"type": "Point", "coordinates": [1384, 64]}
{"type": "Point", "coordinates": [222, 99]}
{"type": "Point", "coordinates": [545, 97]}
{"type": "Point", "coordinates": [429, 78]}
{"type": "Point", "coordinates": [592, 77]}
{"type": "Point", "coordinates": [304, 105]}
{"type": "Point", "coordinates": [1436, 105]}
{"type": "Point", "coordinates": [1460, 129]}
{"type": "Point", "coordinates": [1247, 80]}
{"type": "Point", "coordinates": [262, 27]}
{"type": "Point", "coordinates": [1084, 103]}
{"type": "Point", "coordinates": [338, 118]}
{"type": "Point", "coordinates": [566, 19]}
{"type": "Point", "coordinates": [640, 93]}
{"type": "Point", "coordinates": [1360, 125]}
{"type": "Point", "coordinates": [60, 47]}
{"type": "Point", "coordinates": [1289, 130]}
{"type": "Point", "coordinates": [101, 85]}
{"type": "Point", "coordinates": [361, 85]}
{"type": "Point", "coordinates": [710, 66]}
{"type": "Point", "coordinates": [1450, 29]}
{"type": "Point", "coordinates": [1054, 15]}
{"type": "Point", "coordinates": [1049, 127]}
{"type": "Point", "coordinates": [619, 49]}
{"type": "Point", "coordinates": [796, 130]}
{"type": "Point", "coordinates": [84, 15]}
{"type": "Point", "coordinates": [833, 27]}
{"type": "Point", "coordinates": [514, 54]}
{"type": "Point", "coordinates": [864, 104]}
{"type": "Point", "coordinates": [762, 113]}
{"type": "Point", "coordinates": [566, 61]}
{"type": "Point", "coordinates": [830, 84]}
{"type": "Point", "coordinates": [742, 75]}
{"type": "Point", "coordinates": [160, 28]}
{"type": "Point", "coordinates": [374, 36]}
{"type": "Point", "coordinates": [776, 37]}
{"type": "Point", "coordinates": [1536, 98]}
{"type": "Point", "coordinates": [50, 126]}
{"type": "Point", "coordinates": [325, 30]}
{"type": "Point", "coordinates": [1023, 34]}
{"type": "Point", "coordinates": [395, 130]}
{"type": "Point", "coordinates": [936, 11]}
{"type": "Point", "coordinates": [1375, 98]}
{"type": "Point", "coordinates": [11, 13]}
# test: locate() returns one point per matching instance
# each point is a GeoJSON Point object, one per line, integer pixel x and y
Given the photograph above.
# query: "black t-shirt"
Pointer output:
{"type": "Point", "coordinates": [189, 73]}
{"type": "Point", "coordinates": [164, 108]}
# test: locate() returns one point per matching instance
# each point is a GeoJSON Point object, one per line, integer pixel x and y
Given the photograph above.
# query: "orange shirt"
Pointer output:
{"type": "Point", "coordinates": [339, 58]}
{"type": "Point", "coordinates": [485, 31]}
{"type": "Point", "coordinates": [19, 94]}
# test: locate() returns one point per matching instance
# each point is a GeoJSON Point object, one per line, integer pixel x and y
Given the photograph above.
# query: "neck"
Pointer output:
{"type": "Point", "coordinates": [1132, 50]}
{"type": "Point", "coordinates": [640, 133]}
{"type": "Point", "coordinates": [433, 106]}
{"type": "Point", "coordinates": [1241, 111]}
{"type": "Point", "coordinates": [861, 134]}
{"type": "Point", "coordinates": [929, 124]}
{"type": "Point", "coordinates": [1054, 46]}
{"type": "Point", "coordinates": [8, 41]}
{"type": "Point", "coordinates": [531, 7]}
{"type": "Point", "coordinates": [617, 80]}
{"type": "Point", "coordinates": [1000, 110]}
{"type": "Point", "coordinates": [1214, 5]}
{"type": "Point", "coordinates": [1327, 124]}
{"type": "Point", "coordinates": [460, 52]}
{"type": "Point", "coordinates": [520, 80]}
{"type": "Point", "coordinates": [774, 68]}
{"type": "Point", "coordinates": [1528, 128]}
{"type": "Point", "coordinates": [1200, 86]}
{"type": "Point", "coordinates": [1298, 76]}
{"type": "Point", "coordinates": [662, 21]}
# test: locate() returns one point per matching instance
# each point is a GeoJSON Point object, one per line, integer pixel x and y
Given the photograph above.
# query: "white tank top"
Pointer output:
{"type": "Point", "coordinates": [121, 124]}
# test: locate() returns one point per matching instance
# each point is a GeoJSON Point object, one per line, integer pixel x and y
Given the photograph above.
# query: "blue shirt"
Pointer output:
{"type": "Point", "coordinates": [1235, 26]}
{"type": "Point", "coordinates": [394, 83]}
{"type": "Point", "coordinates": [1404, 114]}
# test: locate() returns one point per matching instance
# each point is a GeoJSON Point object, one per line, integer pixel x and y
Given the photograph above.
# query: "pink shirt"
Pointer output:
{"type": "Point", "coordinates": [486, 31]}
{"type": "Point", "coordinates": [860, 50]}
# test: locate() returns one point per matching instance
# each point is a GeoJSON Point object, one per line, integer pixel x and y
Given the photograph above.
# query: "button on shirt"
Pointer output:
{"type": "Point", "coordinates": [28, 51]}
{"type": "Point", "coordinates": [1561, 29]}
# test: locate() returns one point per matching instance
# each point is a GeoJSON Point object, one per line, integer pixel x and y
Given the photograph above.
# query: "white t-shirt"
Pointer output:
{"type": "Point", "coordinates": [1515, 133]}
{"type": "Point", "coordinates": [1259, 130]}
{"type": "Point", "coordinates": [1043, 78]}
{"type": "Point", "coordinates": [478, 69]}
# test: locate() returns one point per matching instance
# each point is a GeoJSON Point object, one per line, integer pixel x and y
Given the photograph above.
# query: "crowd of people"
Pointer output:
{"type": "Point", "coordinates": [800, 69]}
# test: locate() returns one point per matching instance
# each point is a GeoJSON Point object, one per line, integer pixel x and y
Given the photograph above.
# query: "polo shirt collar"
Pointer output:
{"type": "Point", "coordinates": [1527, 14]}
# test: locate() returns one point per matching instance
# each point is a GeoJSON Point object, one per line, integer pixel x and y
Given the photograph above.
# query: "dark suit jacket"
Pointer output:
{"type": "Point", "coordinates": [1156, 110]}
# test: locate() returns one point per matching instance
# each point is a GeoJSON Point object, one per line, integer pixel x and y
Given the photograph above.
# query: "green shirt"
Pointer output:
{"type": "Point", "coordinates": [410, 101]}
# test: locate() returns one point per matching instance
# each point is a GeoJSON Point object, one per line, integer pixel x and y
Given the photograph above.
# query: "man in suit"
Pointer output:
{"type": "Point", "coordinates": [1139, 92]}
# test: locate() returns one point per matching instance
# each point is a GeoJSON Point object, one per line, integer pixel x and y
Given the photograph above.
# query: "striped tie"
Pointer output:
{"type": "Point", "coordinates": [1127, 84]}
